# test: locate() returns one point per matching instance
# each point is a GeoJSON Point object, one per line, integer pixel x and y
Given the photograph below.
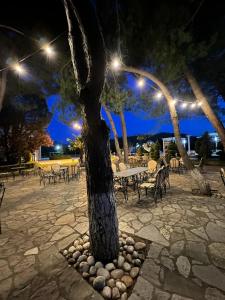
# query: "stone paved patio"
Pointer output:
{"type": "Point", "coordinates": [186, 259]}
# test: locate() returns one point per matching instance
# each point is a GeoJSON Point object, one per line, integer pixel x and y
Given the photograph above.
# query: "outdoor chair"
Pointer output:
{"type": "Point", "coordinates": [222, 174]}
{"type": "Point", "coordinates": [120, 185]}
{"type": "Point", "coordinates": [114, 168]}
{"type": "Point", "coordinates": [175, 165]}
{"type": "Point", "coordinates": [152, 166]}
{"type": "Point", "coordinates": [157, 187]}
{"type": "Point", "coordinates": [46, 175]}
{"type": "Point", "coordinates": [75, 171]}
{"type": "Point", "coordinates": [122, 166]}
{"type": "Point", "coordinates": [200, 164]}
{"type": "Point", "coordinates": [2, 193]}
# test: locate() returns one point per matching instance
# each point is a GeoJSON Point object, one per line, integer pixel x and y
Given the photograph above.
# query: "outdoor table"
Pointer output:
{"type": "Point", "coordinates": [132, 172]}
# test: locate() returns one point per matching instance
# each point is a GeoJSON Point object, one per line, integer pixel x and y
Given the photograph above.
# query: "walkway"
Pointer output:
{"type": "Point", "coordinates": [186, 259]}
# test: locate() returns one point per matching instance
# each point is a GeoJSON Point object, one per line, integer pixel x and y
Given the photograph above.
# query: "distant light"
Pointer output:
{"type": "Point", "coordinates": [58, 147]}
{"type": "Point", "coordinates": [184, 105]}
{"type": "Point", "coordinates": [216, 138]}
{"type": "Point", "coordinates": [49, 51]}
{"type": "Point", "coordinates": [19, 69]}
{"type": "Point", "coordinates": [199, 103]}
{"type": "Point", "coordinates": [77, 126]}
{"type": "Point", "coordinates": [193, 105]}
{"type": "Point", "coordinates": [158, 95]}
{"type": "Point", "coordinates": [115, 64]}
{"type": "Point", "coordinates": [141, 82]}
{"type": "Point", "coordinates": [184, 142]}
{"type": "Point", "coordinates": [175, 101]}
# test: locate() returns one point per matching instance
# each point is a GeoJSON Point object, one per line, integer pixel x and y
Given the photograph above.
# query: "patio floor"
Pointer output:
{"type": "Point", "coordinates": [186, 259]}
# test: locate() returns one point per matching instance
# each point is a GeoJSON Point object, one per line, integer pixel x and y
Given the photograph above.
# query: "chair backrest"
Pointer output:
{"type": "Point", "coordinates": [47, 169]}
{"type": "Point", "coordinates": [174, 163]}
{"type": "Point", "coordinates": [55, 168]}
{"type": "Point", "coordinates": [222, 174]}
{"type": "Point", "coordinates": [160, 176]}
{"type": "Point", "coordinates": [114, 168]}
{"type": "Point", "coordinates": [152, 165]}
{"type": "Point", "coordinates": [2, 192]}
{"type": "Point", "coordinates": [122, 166]}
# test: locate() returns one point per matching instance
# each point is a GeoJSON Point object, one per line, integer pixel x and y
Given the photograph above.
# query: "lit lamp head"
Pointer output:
{"type": "Point", "coordinates": [158, 95]}
{"type": "Point", "coordinates": [184, 105]}
{"type": "Point", "coordinates": [141, 82]}
{"type": "Point", "coordinates": [19, 69]}
{"type": "Point", "coordinates": [48, 51]}
{"type": "Point", "coordinates": [115, 64]}
{"type": "Point", "coordinates": [193, 105]}
{"type": "Point", "coordinates": [174, 101]}
{"type": "Point", "coordinates": [77, 126]}
{"type": "Point", "coordinates": [57, 147]}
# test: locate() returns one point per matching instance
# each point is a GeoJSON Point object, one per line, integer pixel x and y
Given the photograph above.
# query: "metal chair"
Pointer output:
{"type": "Point", "coordinates": [120, 185]}
{"type": "Point", "coordinates": [174, 165]}
{"type": "Point", "coordinates": [46, 175]}
{"type": "Point", "coordinates": [222, 174]}
{"type": "Point", "coordinates": [114, 169]}
{"type": "Point", "coordinates": [122, 166]}
{"type": "Point", "coordinates": [2, 193]}
{"type": "Point", "coordinates": [157, 187]}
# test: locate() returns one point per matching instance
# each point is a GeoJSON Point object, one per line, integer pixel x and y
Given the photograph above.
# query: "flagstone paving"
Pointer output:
{"type": "Point", "coordinates": [186, 259]}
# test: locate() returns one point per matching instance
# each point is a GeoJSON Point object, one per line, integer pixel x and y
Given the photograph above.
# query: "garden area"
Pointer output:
{"type": "Point", "coordinates": [112, 150]}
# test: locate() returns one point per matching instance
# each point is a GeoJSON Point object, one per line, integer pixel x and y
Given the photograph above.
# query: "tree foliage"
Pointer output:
{"type": "Point", "coordinates": [155, 151]}
{"type": "Point", "coordinates": [23, 120]}
{"type": "Point", "coordinates": [203, 146]}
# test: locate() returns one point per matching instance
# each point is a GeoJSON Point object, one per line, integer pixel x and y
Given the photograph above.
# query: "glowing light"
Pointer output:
{"type": "Point", "coordinates": [193, 105]}
{"type": "Point", "coordinates": [158, 95]}
{"type": "Point", "coordinates": [77, 126]}
{"type": "Point", "coordinates": [184, 105]}
{"type": "Point", "coordinates": [49, 51]}
{"type": "Point", "coordinates": [199, 103]}
{"type": "Point", "coordinates": [58, 147]}
{"type": "Point", "coordinates": [141, 82]}
{"type": "Point", "coordinates": [19, 69]}
{"type": "Point", "coordinates": [115, 64]}
{"type": "Point", "coordinates": [175, 101]}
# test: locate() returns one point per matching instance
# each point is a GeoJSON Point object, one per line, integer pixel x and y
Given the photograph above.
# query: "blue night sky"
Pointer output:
{"type": "Point", "coordinates": [137, 124]}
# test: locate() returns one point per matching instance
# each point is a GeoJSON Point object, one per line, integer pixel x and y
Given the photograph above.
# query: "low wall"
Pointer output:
{"type": "Point", "coordinates": [61, 162]}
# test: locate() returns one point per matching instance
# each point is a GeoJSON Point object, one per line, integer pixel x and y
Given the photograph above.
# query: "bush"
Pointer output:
{"type": "Point", "coordinates": [203, 146]}
{"type": "Point", "coordinates": [140, 151]}
{"type": "Point", "coordinates": [59, 156]}
{"type": "Point", "coordinates": [155, 151]}
{"type": "Point", "coordinates": [172, 151]}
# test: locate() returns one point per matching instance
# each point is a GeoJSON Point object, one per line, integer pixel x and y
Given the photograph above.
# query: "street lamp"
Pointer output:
{"type": "Point", "coordinates": [216, 142]}
{"type": "Point", "coordinates": [58, 147]}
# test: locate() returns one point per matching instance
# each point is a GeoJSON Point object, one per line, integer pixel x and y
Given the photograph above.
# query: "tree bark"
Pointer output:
{"type": "Point", "coordinates": [124, 134]}
{"type": "Point", "coordinates": [88, 58]}
{"type": "Point", "coordinates": [117, 146]}
{"type": "Point", "coordinates": [195, 173]}
{"type": "Point", "coordinates": [217, 124]}
{"type": "Point", "coordinates": [3, 80]}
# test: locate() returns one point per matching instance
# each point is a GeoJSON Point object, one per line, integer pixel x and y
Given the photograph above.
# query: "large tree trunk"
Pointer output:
{"type": "Point", "coordinates": [124, 134]}
{"type": "Point", "coordinates": [88, 58]}
{"type": "Point", "coordinates": [3, 80]}
{"type": "Point", "coordinates": [117, 146]}
{"type": "Point", "coordinates": [195, 173]}
{"type": "Point", "coordinates": [217, 124]}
